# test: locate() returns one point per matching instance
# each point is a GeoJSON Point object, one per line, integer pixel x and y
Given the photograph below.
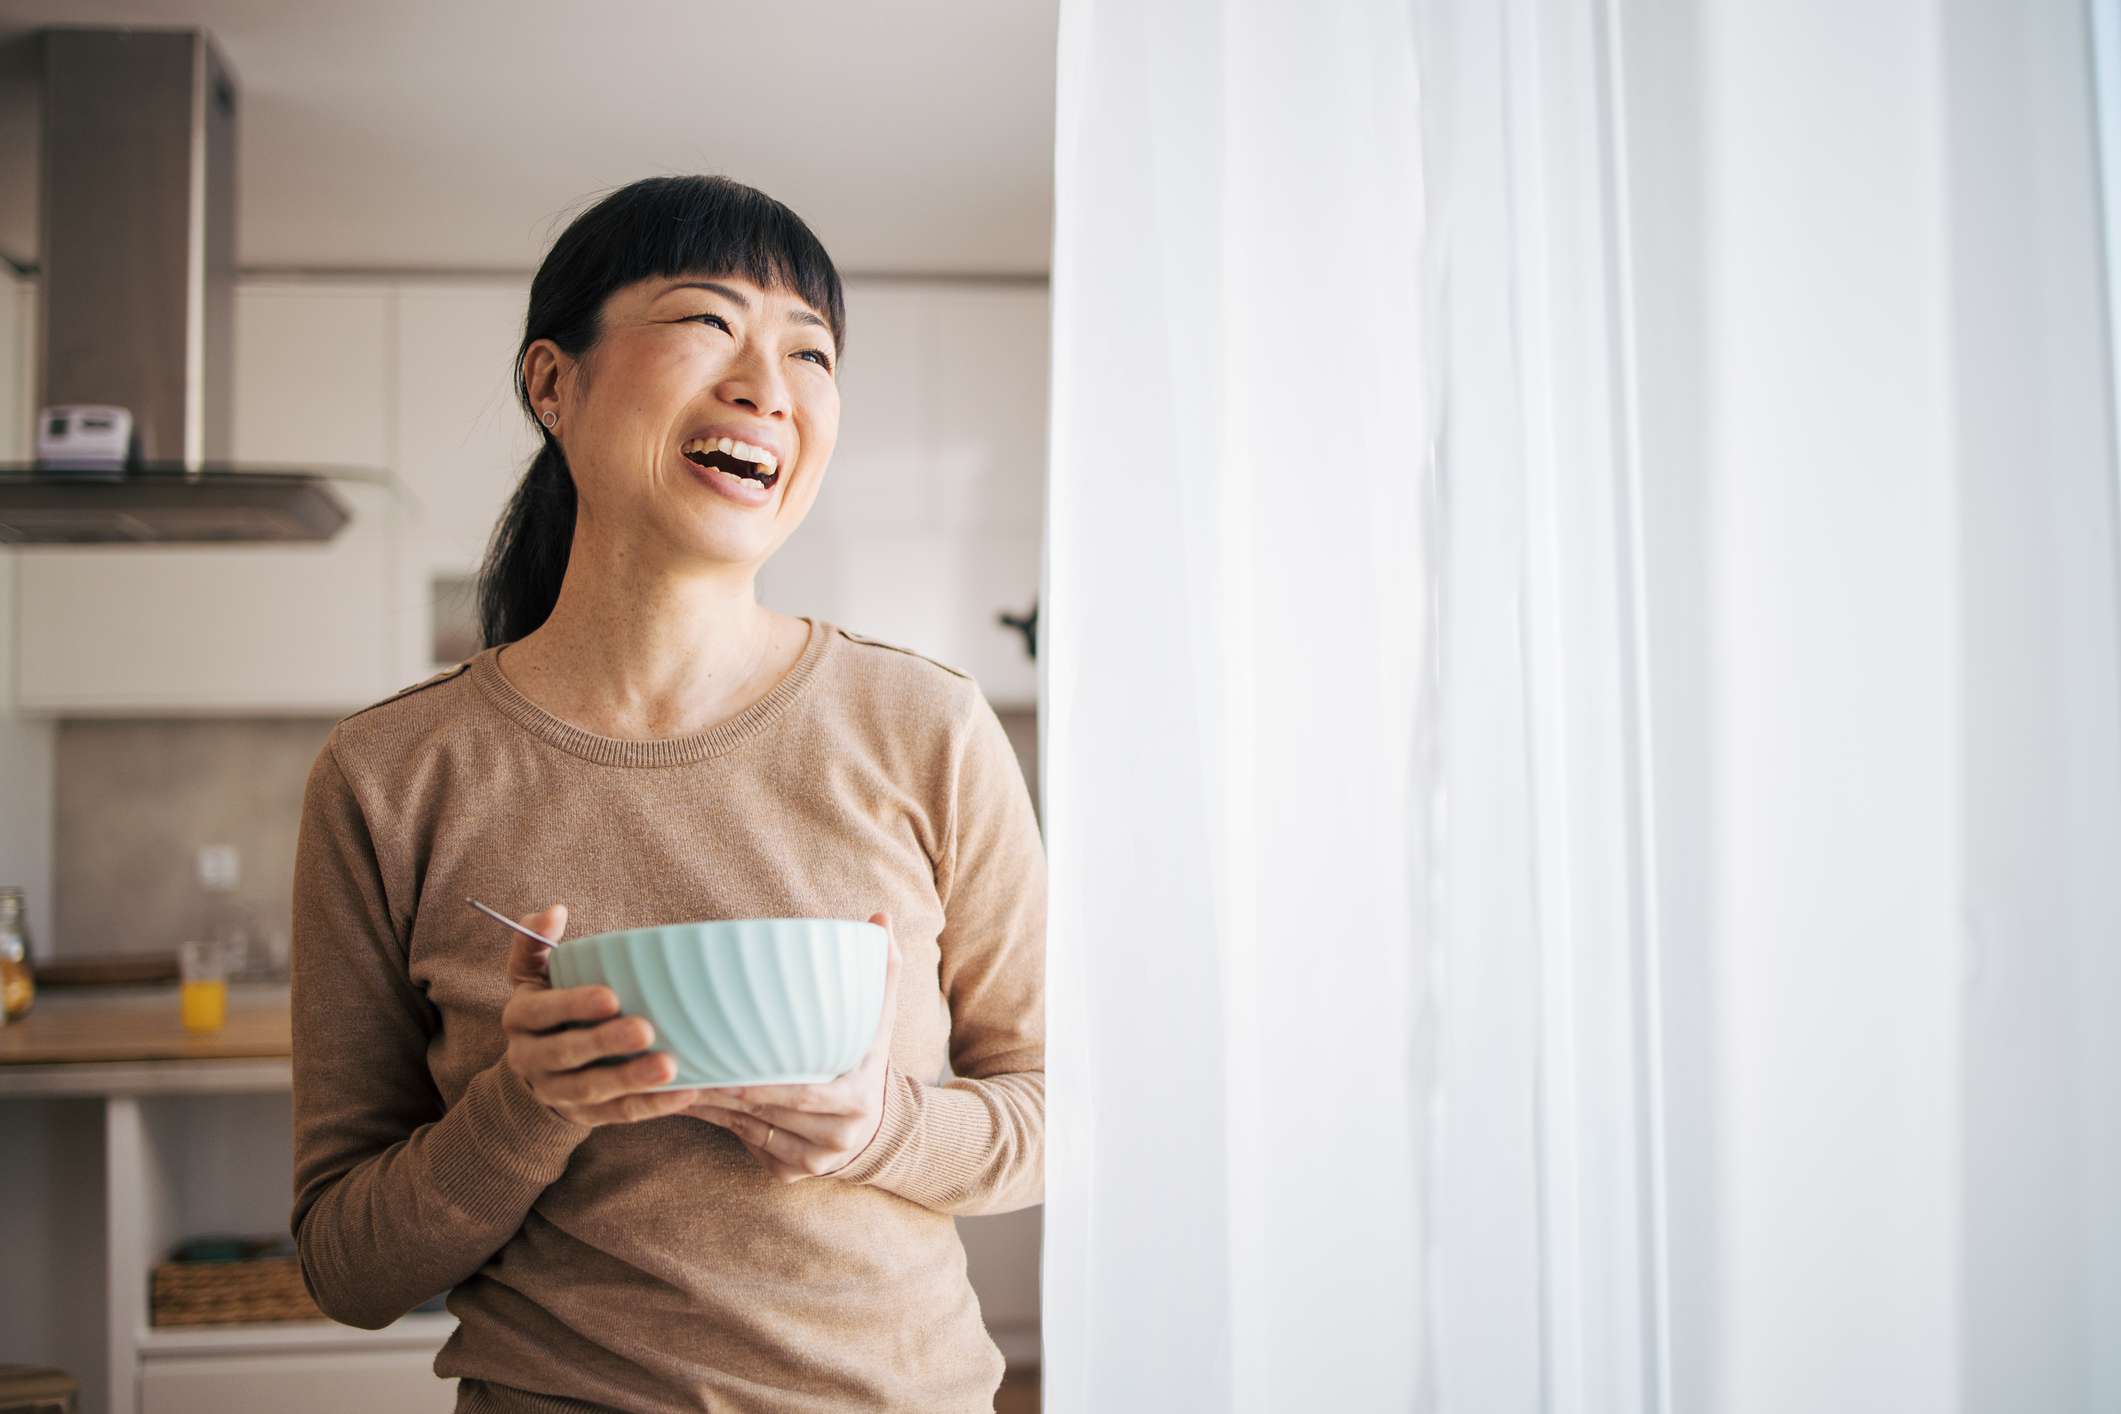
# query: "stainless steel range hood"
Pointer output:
{"type": "Point", "coordinates": [138, 227]}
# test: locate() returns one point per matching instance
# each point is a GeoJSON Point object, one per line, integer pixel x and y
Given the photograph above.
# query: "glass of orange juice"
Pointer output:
{"type": "Point", "coordinates": [202, 973]}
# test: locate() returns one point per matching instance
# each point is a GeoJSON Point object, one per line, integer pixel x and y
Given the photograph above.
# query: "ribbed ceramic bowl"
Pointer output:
{"type": "Point", "coordinates": [745, 1001]}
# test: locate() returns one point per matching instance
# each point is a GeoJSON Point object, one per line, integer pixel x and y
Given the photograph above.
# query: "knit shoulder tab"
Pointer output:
{"type": "Point", "coordinates": [444, 676]}
{"type": "Point", "coordinates": [900, 648]}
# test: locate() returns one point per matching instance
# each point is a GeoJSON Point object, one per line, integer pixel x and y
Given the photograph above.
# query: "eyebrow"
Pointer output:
{"type": "Point", "coordinates": [737, 297]}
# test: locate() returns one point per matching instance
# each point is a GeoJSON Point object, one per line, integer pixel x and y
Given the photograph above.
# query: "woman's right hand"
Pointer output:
{"type": "Point", "coordinates": [553, 1039]}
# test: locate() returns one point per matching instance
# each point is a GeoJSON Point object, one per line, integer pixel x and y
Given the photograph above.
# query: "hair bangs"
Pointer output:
{"type": "Point", "coordinates": [665, 227]}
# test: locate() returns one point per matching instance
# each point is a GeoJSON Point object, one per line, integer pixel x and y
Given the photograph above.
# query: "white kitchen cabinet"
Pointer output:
{"type": "Point", "coordinates": [942, 411]}
{"type": "Point", "coordinates": [461, 441]}
{"type": "Point", "coordinates": [878, 478]}
{"type": "Point", "coordinates": [929, 523]}
{"type": "Point", "coordinates": [312, 375]}
{"type": "Point", "coordinates": [189, 629]}
{"type": "Point", "coordinates": [244, 628]}
{"type": "Point", "coordinates": [357, 1382]}
{"type": "Point", "coordinates": [934, 592]}
{"type": "Point", "coordinates": [985, 406]}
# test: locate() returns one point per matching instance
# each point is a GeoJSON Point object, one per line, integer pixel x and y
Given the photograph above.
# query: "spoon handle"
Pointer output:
{"type": "Point", "coordinates": [500, 917]}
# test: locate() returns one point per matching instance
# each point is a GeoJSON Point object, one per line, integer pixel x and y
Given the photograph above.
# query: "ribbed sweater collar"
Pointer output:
{"type": "Point", "coordinates": [485, 671]}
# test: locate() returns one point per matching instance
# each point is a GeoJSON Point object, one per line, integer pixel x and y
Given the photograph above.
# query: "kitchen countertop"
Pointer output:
{"type": "Point", "coordinates": [110, 1040]}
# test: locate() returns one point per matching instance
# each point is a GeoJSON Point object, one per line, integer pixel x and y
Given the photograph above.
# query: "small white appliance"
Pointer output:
{"type": "Point", "coordinates": [84, 437]}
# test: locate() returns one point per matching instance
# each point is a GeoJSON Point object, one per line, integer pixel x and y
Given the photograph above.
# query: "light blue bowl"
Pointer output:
{"type": "Point", "coordinates": [745, 1001]}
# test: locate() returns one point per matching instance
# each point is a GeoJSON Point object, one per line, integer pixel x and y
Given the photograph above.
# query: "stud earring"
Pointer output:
{"type": "Point", "coordinates": [550, 418]}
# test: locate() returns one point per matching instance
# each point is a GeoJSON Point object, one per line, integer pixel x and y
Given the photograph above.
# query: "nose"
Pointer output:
{"type": "Point", "coordinates": [754, 380]}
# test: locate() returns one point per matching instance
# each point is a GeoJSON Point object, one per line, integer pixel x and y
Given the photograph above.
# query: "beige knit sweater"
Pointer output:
{"type": "Point", "coordinates": [653, 1266]}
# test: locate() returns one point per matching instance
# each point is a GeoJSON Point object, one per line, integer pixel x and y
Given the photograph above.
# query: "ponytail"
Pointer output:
{"type": "Point", "coordinates": [527, 557]}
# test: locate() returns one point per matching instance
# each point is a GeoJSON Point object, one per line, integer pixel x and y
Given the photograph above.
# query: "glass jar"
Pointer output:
{"type": "Point", "coordinates": [18, 988]}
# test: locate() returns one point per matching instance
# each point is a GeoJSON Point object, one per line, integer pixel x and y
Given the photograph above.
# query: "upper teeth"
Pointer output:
{"type": "Point", "coordinates": [742, 451]}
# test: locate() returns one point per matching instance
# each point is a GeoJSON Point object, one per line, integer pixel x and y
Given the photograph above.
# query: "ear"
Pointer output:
{"type": "Point", "coordinates": [547, 372]}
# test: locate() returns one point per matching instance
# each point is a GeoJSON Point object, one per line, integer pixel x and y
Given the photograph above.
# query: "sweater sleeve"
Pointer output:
{"type": "Point", "coordinates": [395, 1200]}
{"type": "Point", "coordinates": [976, 1143]}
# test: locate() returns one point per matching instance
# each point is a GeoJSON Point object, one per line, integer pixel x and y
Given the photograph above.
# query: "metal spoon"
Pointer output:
{"type": "Point", "coordinates": [501, 917]}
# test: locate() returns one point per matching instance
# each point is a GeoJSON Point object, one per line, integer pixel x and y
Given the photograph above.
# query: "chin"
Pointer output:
{"type": "Point", "coordinates": [728, 544]}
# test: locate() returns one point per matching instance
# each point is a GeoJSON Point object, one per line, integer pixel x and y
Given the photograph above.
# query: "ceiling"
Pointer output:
{"type": "Point", "coordinates": [413, 135]}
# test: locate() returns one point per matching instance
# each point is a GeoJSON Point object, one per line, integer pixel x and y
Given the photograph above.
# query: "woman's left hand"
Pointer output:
{"type": "Point", "coordinates": [807, 1131]}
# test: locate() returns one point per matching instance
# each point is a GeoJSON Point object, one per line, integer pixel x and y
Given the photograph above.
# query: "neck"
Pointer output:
{"type": "Point", "coordinates": [640, 649]}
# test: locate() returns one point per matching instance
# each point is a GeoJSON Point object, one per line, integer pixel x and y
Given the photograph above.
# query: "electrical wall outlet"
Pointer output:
{"type": "Point", "coordinates": [220, 866]}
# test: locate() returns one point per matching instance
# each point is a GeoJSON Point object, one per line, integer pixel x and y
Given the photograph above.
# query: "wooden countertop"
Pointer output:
{"type": "Point", "coordinates": [73, 1025]}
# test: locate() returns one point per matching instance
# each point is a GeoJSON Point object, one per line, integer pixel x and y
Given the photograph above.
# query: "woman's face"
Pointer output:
{"type": "Point", "coordinates": [683, 368]}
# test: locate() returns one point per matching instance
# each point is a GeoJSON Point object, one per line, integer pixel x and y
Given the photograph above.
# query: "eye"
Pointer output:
{"type": "Point", "coordinates": [818, 356]}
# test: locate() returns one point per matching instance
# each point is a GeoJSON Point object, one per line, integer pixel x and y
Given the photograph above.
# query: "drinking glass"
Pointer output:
{"type": "Point", "coordinates": [202, 972]}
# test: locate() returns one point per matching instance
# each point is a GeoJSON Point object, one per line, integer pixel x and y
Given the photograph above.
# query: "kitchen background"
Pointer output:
{"type": "Point", "coordinates": [400, 168]}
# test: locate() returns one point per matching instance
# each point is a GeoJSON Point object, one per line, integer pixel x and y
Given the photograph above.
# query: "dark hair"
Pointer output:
{"type": "Point", "coordinates": [657, 227]}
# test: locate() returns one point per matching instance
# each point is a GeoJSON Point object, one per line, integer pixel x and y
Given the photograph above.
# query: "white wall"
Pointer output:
{"type": "Point", "coordinates": [26, 744]}
{"type": "Point", "coordinates": [1880, 524]}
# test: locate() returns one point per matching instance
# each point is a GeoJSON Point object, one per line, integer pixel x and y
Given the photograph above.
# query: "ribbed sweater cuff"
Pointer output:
{"type": "Point", "coordinates": [932, 1145]}
{"type": "Point", "coordinates": [513, 1147]}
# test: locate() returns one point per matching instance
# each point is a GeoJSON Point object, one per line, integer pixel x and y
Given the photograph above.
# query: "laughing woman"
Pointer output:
{"type": "Point", "coordinates": [642, 742]}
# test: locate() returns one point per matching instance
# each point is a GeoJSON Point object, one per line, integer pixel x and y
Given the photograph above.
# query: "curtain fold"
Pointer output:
{"type": "Point", "coordinates": [1234, 616]}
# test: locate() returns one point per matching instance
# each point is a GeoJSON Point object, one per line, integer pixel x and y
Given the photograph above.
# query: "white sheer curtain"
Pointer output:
{"type": "Point", "coordinates": [1352, 976]}
{"type": "Point", "coordinates": [1368, 791]}
{"type": "Point", "coordinates": [1546, 1207]}
{"type": "Point", "coordinates": [1234, 636]}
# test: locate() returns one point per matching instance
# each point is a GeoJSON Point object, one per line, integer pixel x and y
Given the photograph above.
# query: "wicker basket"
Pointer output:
{"type": "Point", "coordinates": [214, 1293]}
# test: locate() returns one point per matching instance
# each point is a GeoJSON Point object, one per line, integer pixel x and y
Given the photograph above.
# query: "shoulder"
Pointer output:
{"type": "Point", "coordinates": [907, 695]}
{"type": "Point", "coordinates": [905, 677]}
{"type": "Point", "coordinates": [381, 704]}
{"type": "Point", "coordinates": [384, 728]}
{"type": "Point", "coordinates": [876, 655]}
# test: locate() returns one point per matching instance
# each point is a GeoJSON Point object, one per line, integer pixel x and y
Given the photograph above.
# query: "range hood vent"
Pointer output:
{"type": "Point", "coordinates": [138, 257]}
{"type": "Point", "coordinates": [164, 506]}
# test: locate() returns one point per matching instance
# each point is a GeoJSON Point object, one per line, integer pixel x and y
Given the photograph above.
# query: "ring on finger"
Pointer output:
{"type": "Point", "coordinates": [767, 1143]}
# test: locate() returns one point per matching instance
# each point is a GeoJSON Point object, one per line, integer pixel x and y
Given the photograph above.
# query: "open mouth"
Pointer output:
{"type": "Point", "coordinates": [733, 458]}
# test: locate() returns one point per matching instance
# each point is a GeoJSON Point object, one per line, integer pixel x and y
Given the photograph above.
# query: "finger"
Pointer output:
{"type": "Point", "coordinates": [629, 1108]}
{"type": "Point", "coordinates": [835, 1132]}
{"type": "Point", "coordinates": [573, 1047]}
{"type": "Point", "coordinates": [599, 1084]}
{"type": "Point", "coordinates": [829, 1097]}
{"type": "Point", "coordinates": [540, 1009]}
{"type": "Point", "coordinates": [527, 956]}
{"type": "Point", "coordinates": [790, 1155]}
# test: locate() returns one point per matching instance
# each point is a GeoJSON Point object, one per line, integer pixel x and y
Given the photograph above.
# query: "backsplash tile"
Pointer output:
{"type": "Point", "coordinates": [135, 798]}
